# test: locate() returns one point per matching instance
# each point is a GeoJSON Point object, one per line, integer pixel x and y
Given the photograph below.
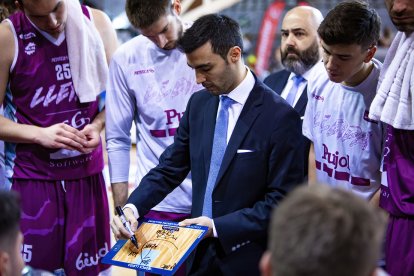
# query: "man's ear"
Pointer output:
{"type": "Point", "coordinates": [4, 262]}
{"type": "Point", "coordinates": [176, 6]}
{"type": "Point", "coordinates": [370, 54]}
{"type": "Point", "coordinates": [265, 264]}
{"type": "Point", "coordinates": [234, 54]}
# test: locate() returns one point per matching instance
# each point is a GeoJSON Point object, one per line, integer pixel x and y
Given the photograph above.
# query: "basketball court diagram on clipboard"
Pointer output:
{"type": "Point", "coordinates": [162, 247]}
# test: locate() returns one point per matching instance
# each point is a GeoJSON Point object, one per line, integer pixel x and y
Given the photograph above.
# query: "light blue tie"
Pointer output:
{"type": "Point", "coordinates": [297, 80]}
{"type": "Point", "coordinates": [219, 147]}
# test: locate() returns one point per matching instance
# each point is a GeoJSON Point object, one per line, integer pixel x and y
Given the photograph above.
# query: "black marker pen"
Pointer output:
{"type": "Point", "coordinates": [126, 225]}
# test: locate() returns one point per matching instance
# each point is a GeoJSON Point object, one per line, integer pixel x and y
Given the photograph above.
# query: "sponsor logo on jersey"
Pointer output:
{"type": "Point", "coordinates": [317, 97]}
{"type": "Point", "coordinates": [173, 117]}
{"type": "Point", "coordinates": [144, 71]}
{"type": "Point", "coordinates": [30, 48]}
{"type": "Point", "coordinates": [59, 59]}
{"type": "Point", "coordinates": [27, 36]}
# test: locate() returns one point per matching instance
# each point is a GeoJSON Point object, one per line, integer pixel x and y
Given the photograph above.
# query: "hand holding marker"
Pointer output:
{"type": "Point", "coordinates": [126, 225]}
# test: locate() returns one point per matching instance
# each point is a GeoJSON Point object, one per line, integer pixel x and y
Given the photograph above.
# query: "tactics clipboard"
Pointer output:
{"type": "Point", "coordinates": [162, 247]}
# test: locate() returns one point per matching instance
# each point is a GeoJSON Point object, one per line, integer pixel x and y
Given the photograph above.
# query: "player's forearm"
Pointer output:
{"type": "Point", "coordinates": [312, 166]}
{"type": "Point", "coordinates": [120, 193]}
{"type": "Point", "coordinates": [376, 198]}
{"type": "Point", "coordinates": [99, 121]}
{"type": "Point", "coordinates": [18, 133]}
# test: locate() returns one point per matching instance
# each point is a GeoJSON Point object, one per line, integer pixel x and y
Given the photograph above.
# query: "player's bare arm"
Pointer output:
{"type": "Point", "coordinates": [56, 136]}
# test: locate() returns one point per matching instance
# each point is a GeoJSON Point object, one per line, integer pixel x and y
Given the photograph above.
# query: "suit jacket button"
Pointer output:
{"type": "Point", "coordinates": [233, 248]}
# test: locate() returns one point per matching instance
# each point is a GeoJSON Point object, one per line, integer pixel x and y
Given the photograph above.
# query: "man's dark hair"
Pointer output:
{"type": "Point", "coordinates": [4, 13]}
{"type": "Point", "coordinates": [351, 22]}
{"type": "Point", "coordinates": [318, 230]}
{"type": "Point", "coordinates": [222, 32]}
{"type": "Point", "coordinates": [9, 218]}
{"type": "Point", "coordinates": [143, 13]}
{"type": "Point", "coordinates": [7, 7]}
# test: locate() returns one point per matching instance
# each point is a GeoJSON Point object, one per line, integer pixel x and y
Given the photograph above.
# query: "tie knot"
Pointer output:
{"type": "Point", "coordinates": [226, 102]}
{"type": "Point", "coordinates": [297, 79]}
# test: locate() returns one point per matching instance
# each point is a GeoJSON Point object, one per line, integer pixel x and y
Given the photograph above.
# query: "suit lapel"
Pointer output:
{"type": "Point", "coordinates": [300, 106]}
{"type": "Point", "coordinates": [210, 114]}
{"type": "Point", "coordinates": [247, 117]}
{"type": "Point", "coordinates": [280, 85]}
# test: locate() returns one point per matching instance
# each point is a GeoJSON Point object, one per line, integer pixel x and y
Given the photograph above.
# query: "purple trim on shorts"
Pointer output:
{"type": "Point", "coordinates": [39, 214]}
{"type": "Point", "coordinates": [44, 232]}
{"type": "Point", "coordinates": [90, 222]}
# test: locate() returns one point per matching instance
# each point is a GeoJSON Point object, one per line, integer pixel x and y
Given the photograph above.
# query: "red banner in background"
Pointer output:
{"type": "Point", "coordinates": [267, 35]}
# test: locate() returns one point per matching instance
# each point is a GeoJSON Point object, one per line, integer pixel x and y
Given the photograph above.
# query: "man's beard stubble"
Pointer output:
{"type": "Point", "coordinates": [305, 60]}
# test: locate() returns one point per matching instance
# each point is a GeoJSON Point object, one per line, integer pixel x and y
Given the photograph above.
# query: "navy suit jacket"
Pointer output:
{"type": "Point", "coordinates": [248, 185]}
{"type": "Point", "coordinates": [277, 81]}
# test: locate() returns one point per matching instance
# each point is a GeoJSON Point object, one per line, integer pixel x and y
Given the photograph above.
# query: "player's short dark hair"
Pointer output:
{"type": "Point", "coordinates": [143, 13]}
{"type": "Point", "coordinates": [351, 22]}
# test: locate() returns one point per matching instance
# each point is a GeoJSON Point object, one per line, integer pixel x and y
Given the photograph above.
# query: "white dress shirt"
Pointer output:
{"type": "Point", "coordinates": [302, 85]}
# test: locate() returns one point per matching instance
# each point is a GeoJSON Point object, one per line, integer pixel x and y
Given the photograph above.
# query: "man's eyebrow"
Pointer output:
{"type": "Point", "coordinates": [200, 66]}
{"type": "Point", "coordinates": [325, 49]}
{"type": "Point", "coordinates": [292, 30]}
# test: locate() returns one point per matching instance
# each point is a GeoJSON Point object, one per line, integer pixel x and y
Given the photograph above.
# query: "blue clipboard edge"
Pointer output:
{"type": "Point", "coordinates": [108, 258]}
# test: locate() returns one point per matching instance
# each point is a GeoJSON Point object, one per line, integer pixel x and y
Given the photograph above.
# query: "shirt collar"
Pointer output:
{"type": "Point", "coordinates": [242, 91]}
{"type": "Point", "coordinates": [308, 73]}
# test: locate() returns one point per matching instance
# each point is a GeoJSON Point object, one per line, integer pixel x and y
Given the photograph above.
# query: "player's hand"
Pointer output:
{"type": "Point", "coordinates": [62, 136]}
{"type": "Point", "coordinates": [93, 137]}
{"type": "Point", "coordinates": [204, 221]}
{"type": "Point", "coordinates": [120, 232]}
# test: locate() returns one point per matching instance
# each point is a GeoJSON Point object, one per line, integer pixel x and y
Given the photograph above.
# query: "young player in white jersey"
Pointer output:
{"type": "Point", "coordinates": [150, 84]}
{"type": "Point", "coordinates": [346, 145]}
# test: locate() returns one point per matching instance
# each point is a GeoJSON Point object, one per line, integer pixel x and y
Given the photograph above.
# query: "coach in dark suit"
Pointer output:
{"type": "Point", "coordinates": [233, 193]}
{"type": "Point", "coordinates": [299, 53]}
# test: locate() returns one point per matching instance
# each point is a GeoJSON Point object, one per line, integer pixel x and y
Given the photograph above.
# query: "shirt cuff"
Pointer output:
{"type": "Point", "coordinates": [214, 228]}
{"type": "Point", "coordinates": [133, 208]}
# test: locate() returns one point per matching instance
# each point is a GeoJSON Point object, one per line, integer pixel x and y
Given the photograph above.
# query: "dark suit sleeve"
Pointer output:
{"type": "Point", "coordinates": [283, 167]}
{"type": "Point", "coordinates": [173, 168]}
